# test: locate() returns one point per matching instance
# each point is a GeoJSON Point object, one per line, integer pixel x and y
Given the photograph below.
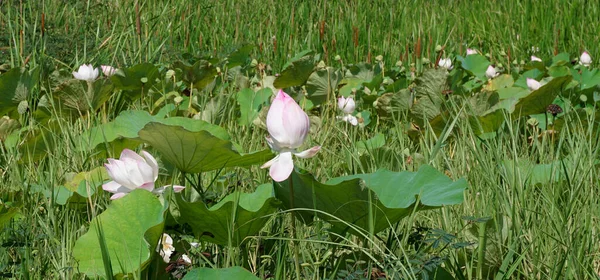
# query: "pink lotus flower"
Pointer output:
{"type": "Point", "coordinates": [130, 172]}
{"type": "Point", "coordinates": [347, 106]}
{"type": "Point", "coordinates": [585, 59]}
{"type": "Point", "coordinates": [471, 51]}
{"type": "Point", "coordinates": [288, 126]}
{"type": "Point", "coordinates": [535, 58]}
{"type": "Point", "coordinates": [108, 70]}
{"type": "Point", "coordinates": [532, 84]}
{"type": "Point", "coordinates": [86, 73]}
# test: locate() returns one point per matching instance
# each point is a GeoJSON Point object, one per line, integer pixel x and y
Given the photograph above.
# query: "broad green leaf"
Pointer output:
{"type": "Point", "coordinates": [15, 86]}
{"type": "Point", "coordinates": [349, 85]}
{"type": "Point", "coordinates": [393, 196]}
{"type": "Point", "coordinates": [251, 102]}
{"type": "Point", "coordinates": [296, 73]}
{"type": "Point", "coordinates": [7, 214]}
{"type": "Point", "coordinates": [322, 84]}
{"type": "Point", "coordinates": [239, 56]}
{"type": "Point", "coordinates": [488, 122]}
{"type": "Point", "coordinates": [131, 226]}
{"type": "Point", "coordinates": [199, 75]}
{"type": "Point", "coordinates": [561, 59]}
{"type": "Point", "coordinates": [589, 78]}
{"type": "Point", "coordinates": [230, 273]}
{"type": "Point", "coordinates": [533, 74]}
{"type": "Point", "coordinates": [512, 92]}
{"type": "Point", "coordinates": [533, 173]}
{"type": "Point", "coordinates": [234, 218]}
{"type": "Point", "coordinates": [194, 150]}
{"type": "Point", "coordinates": [393, 103]}
{"type": "Point", "coordinates": [371, 144]}
{"type": "Point", "coordinates": [81, 186]}
{"type": "Point", "coordinates": [537, 101]}
{"type": "Point", "coordinates": [361, 71]}
{"type": "Point", "coordinates": [123, 131]}
{"type": "Point", "coordinates": [500, 82]}
{"type": "Point", "coordinates": [7, 126]}
{"type": "Point", "coordinates": [474, 64]}
{"type": "Point", "coordinates": [136, 79]}
{"type": "Point", "coordinates": [73, 96]}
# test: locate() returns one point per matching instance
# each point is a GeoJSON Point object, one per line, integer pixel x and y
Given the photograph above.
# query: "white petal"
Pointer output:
{"type": "Point", "coordinates": [308, 153]}
{"type": "Point", "coordinates": [282, 167]}
{"type": "Point", "coordinates": [112, 187]}
{"type": "Point", "coordinates": [152, 162]}
{"type": "Point", "coordinates": [270, 162]}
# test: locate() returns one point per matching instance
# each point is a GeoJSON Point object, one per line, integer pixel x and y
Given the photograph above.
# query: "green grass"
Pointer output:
{"type": "Point", "coordinates": [543, 231]}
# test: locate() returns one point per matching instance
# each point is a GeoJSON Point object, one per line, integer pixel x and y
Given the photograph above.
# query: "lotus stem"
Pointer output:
{"type": "Point", "coordinates": [293, 243]}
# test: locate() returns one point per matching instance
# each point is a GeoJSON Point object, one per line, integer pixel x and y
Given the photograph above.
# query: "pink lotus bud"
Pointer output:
{"type": "Point", "coordinates": [86, 73]}
{"type": "Point", "coordinates": [108, 70]}
{"type": "Point", "coordinates": [132, 171]}
{"type": "Point", "coordinates": [585, 59]}
{"type": "Point", "coordinates": [347, 105]}
{"type": "Point", "coordinates": [471, 51]}
{"type": "Point", "coordinates": [532, 84]}
{"type": "Point", "coordinates": [288, 126]}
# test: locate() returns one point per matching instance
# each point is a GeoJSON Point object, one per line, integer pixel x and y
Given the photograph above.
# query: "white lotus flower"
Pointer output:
{"type": "Point", "coordinates": [532, 84]}
{"type": "Point", "coordinates": [288, 126]}
{"type": "Point", "coordinates": [491, 72]}
{"type": "Point", "coordinates": [165, 247]}
{"type": "Point", "coordinates": [130, 172]}
{"type": "Point", "coordinates": [347, 105]}
{"type": "Point", "coordinates": [108, 70]}
{"type": "Point", "coordinates": [585, 59]}
{"type": "Point", "coordinates": [445, 63]}
{"type": "Point", "coordinates": [186, 259]}
{"type": "Point", "coordinates": [535, 58]}
{"type": "Point", "coordinates": [86, 73]}
{"type": "Point", "coordinates": [471, 51]}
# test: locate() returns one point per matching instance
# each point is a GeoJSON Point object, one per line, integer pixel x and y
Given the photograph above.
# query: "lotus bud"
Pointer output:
{"type": "Point", "coordinates": [535, 58]}
{"type": "Point", "coordinates": [346, 105]}
{"type": "Point", "coordinates": [491, 72]}
{"type": "Point", "coordinates": [438, 48]}
{"type": "Point", "coordinates": [585, 59]}
{"type": "Point", "coordinates": [471, 51]}
{"type": "Point", "coordinates": [108, 70]}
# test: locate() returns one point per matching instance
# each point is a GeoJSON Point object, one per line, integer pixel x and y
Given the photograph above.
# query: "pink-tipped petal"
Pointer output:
{"type": "Point", "coordinates": [111, 187]}
{"type": "Point", "coordinates": [148, 186]}
{"type": "Point", "coordinates": [118, 195]}
{"type": "Point", "coordinates": [282, 168]}
{"type": "Point", "coordinates": [127, 153]}
{"type": "Point", "coordinates": [532, 84]}
{"type": "Point", "coordinates": [178, 188]}
{"type": "Point", "coordinates": [309, 153]}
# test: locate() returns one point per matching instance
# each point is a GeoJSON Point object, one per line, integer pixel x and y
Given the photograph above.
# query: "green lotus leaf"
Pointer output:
{"type": "Point", "coordinates": [194, 150]}
{"type": "Point", "coordinates": [235, 217]}
{"type": "Point", "coordinates": [130, 228]}
{"type": "Point", "coordinates": [393, 196]}
{"type": "Point", "coordinates": [251, 103]}
{"type": "Point", "coordinates": [236, 272]}
{"type": "Point", "coordinates": [296, 72]}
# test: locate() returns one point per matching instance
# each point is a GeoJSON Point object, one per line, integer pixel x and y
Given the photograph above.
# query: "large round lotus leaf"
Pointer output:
{"type": "Point", "coordinates": [296, 71]}
{"type": "Point", "coordinates": [475, 64]}
{"type": "Point", "coordinates": [251, 103]}
{"type": "Point", "coordinates": [130, 228]}
{"type": "Point", "coordinates": [393, 195]}
{"type": "Point", "coordinates": [196, 151]}
{"type": "Point", "coordinates": [537, 101]}
{"type": "Point", "coordinates": [244, 213]}
{"type": "Point", "coordinates": [321, 85]}
{"type": "Point", "coordinates": [15, 86]}
{"type": "Point", "coordinates": [230, 273]}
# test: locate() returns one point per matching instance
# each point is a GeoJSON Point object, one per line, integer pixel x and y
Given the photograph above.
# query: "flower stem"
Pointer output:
{"type": "Point", "coordinates": [293, 243]}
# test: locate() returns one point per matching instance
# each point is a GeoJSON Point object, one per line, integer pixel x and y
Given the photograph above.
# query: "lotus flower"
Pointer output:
{"type": "Point", "coordinates": [532, 84]}
{"type": "Point", "coordinates": [288, 126]}
{"type": "Point", "coordinates": [347, 106]}
{"type": "Point", "coordinates": [446, 63]}
{"type": "Point", "coordinates": [108, 70]}
{"type": "Point", "coordinates": [132, 171]}
{"type": "Point", "coordinates": [86, 73]}
{"type": "Point", "coordinates": [491, 72]}
{"type": "Point", "coordinates": [165, 247]}
{"type": "Point", "coordinates": [471, 51]}
{"type": "Point", "coordinates": [585, 59]}
{"type": "Point", "coordinates": [535, 58]}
